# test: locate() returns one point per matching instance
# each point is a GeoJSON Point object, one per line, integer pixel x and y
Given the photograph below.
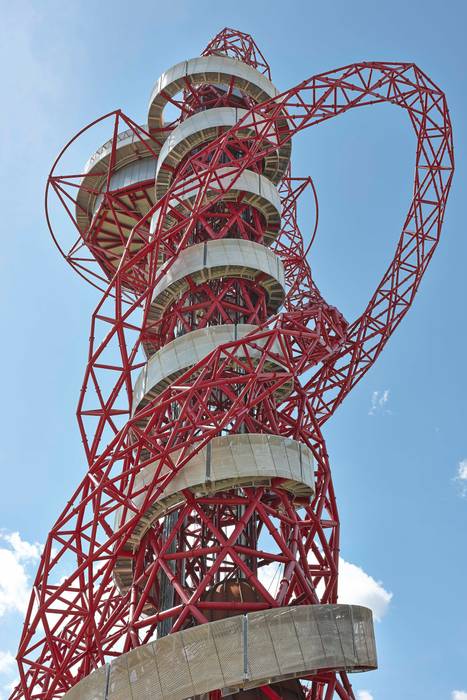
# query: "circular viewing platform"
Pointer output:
{"type": "Point", "coordinates": [206, 126]}
{"type": "Point", "coordinates": [209, 70]}
{"type": "Point", "coordinates": [238, 653]}
{"type": "Point", "coordinates": [176, 357]}
{"type": "Point", "coordinates": [229, 462]}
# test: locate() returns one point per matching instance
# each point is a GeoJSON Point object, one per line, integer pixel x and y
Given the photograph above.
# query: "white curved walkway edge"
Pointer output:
{"type": "Point", "coordinates": [227, 257]}
{"type": "Point", "coordinates": [203, 127]}
{"type": "Point", "coordinates": [239, 652]}
{"type": "Point", "coordinates": [213, 70]}
{"type": "Point", "coordinates": [230, 461]}
{"type": "Point", "coordinates": [173, 359]}
{"type": "Point", "coordinates": [254, 189]}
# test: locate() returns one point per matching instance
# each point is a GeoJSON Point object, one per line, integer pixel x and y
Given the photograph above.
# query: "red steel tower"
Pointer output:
{"type": "Point", "coordinates": [199, 555]}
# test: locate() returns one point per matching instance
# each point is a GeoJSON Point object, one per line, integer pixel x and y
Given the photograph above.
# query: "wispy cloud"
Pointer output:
{"type": "Point", "coordinates": [17, 557]}
{"type": "Point", "coordinates": [7, 662]}
{"type": "Point", "coordinates": [364, 695]}
{"type": "Point", "coordinates": [461, 479]}
{"type": "Point", "coordinates": [9, 687]}
{"type": "Point", "coordinates": [459, 695]}
{"type": "Point", "coordinates": [9, 669]}
{"type": "Point", "coordinates": [379, 400]}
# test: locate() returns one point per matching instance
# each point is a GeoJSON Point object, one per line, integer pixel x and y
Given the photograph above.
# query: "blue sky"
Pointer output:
{"type": "Point", "coordinates": [398, 444]}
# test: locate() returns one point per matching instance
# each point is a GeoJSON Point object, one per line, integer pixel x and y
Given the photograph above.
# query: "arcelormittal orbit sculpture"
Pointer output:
{"type": "Point", "coordinates": [199, 555]}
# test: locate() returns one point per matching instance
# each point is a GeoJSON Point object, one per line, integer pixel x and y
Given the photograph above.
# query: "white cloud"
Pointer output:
{"type": "Point", "coordinates": [459, 695]}
{"type": "Point", "coordinates": [461, 477]}
{"type": "Point", "coordinates": [355, 587]}
{"type": "Point", "coordinates": [7, 662]}
{"type": "Point", "coordinates": [15, 560]}
{"type": "Point", "coordinates": [462, 470]}
{"type": "Point", "coordinates": [359, 588]}
{"type": "Point", "coordinates": [10, 686]}
{"type": "Point", "coordinates": [379, 400]}
{"type": "Point", "coordinates": [364, 695]}
{"type": "Point", "coordinates": [22, 549]}
{"type": "Point", "coordinates": [270, 576]}
{"type": "Point", "coordinates": [8, 668]}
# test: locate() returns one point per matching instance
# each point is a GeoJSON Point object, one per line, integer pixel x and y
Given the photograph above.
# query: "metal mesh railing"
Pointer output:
{"type": "Point", "coordinates": [239, 652]}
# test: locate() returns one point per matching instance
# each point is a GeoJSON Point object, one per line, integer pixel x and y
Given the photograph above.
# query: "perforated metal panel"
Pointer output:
{"type": "Point", "coordinates": [176, 357]}
{"type": "Point", "coordinates": [203, 127]}
{"type": "Point", "coordinates": [239, 652]}
{"type": "Point", "coordinates": [93, 687]}
{"type": "Point", "coordinates": [215, 70]}
{"type": "Point", "coordinates": [232, 461]}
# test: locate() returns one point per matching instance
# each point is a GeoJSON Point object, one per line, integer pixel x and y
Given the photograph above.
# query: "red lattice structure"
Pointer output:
{"type": "Point", "coordinates": [213, 364]}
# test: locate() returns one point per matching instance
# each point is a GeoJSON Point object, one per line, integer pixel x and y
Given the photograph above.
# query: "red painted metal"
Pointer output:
{"type": "Point", "coordinates": [74, 624]}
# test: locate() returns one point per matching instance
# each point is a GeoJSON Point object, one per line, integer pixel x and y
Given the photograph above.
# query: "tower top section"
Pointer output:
{"type": "Point", "coordinates": [237, 44]}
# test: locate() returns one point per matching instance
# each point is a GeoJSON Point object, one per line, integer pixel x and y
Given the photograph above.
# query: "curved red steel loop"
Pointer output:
{"type": "Point", "coordinates": [74, 625]}
{"type": "Point", "coordinates": [86, 271]}
{"type": "Point", "coordinates": [357, 85]}
{"type": "Point", "coordinates": [66, 255]}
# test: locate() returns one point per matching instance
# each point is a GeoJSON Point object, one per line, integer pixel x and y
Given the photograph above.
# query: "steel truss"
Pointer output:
{"type": "Point", "coordinates": [74, 624]}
